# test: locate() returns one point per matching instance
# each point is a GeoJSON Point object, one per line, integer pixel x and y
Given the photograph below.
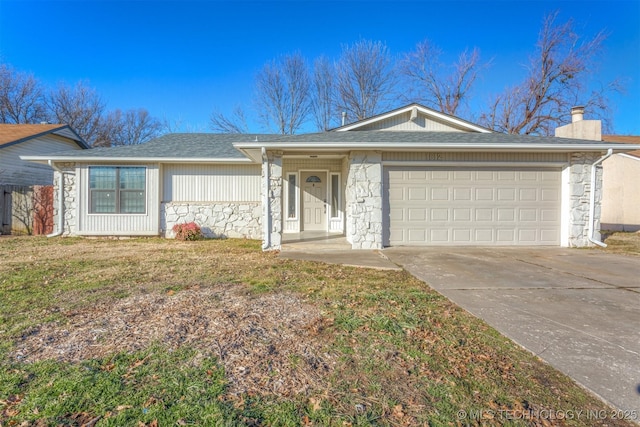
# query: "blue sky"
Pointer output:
{"type": "Point", "coordinates": [182, 59]}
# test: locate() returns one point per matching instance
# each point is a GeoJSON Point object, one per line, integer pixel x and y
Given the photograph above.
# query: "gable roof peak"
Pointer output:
{"type": "Point", "coordinates": [412, 113]}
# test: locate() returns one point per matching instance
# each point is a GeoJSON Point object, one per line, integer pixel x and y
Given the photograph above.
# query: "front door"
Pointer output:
{"type": "Point", "coordinates": [314, 201]}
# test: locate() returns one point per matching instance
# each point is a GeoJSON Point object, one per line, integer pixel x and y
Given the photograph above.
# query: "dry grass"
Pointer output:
{"type": "Point", "coordinates": [623, 243]}
{"type": "Point", "coordinates": [300, 343]}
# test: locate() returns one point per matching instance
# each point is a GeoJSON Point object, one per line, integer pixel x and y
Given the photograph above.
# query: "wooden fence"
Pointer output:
{"type": "Point", "coordinates": [26, 210]}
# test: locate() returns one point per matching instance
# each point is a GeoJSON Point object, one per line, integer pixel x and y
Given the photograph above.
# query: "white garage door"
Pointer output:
{"type": "Point", "coordinates": [436, 206]}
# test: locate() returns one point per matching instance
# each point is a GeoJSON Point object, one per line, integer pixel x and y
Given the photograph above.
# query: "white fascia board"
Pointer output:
{"type": "Point", "coordinates": [45, 159]}
{"type": "Point", "coordinates": [254, 154]}
{"type": "Point", "coordinates": [517, 147]}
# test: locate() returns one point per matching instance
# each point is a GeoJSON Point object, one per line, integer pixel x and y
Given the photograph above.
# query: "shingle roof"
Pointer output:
{"type": "Point", "coordinates": [627, 139]}
{"type": "Point", "coordinates": [226, 147]}
{"type": "Point", "coordinates": [418, 137]}
{"type": "Point", "coordinates": [176, 145]}
{"type": "Point", "coordinates": [15, 133]}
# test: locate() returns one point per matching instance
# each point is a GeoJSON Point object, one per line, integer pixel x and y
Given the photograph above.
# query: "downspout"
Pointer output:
{"type": "Point", "coordinates": [266, 227]}
{"type": "Point", "coordinates": [60, 200]}
{"type": "Point", "coordinates": [592, 198]}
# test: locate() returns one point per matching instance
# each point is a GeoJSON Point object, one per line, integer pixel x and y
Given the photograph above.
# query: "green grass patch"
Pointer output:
{"type": "Point", "coordinates": [154, 385]}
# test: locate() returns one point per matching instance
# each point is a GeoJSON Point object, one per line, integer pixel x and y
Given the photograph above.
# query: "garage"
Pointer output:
{"type": "Point", "coordinates": [472, 206]}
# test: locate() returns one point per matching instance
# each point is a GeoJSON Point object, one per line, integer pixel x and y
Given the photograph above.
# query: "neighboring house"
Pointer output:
{"type": "Point", "coordinates": [621, 182]}
{"type": "Point", "coordinates": [25, 187]}
{"type": "Point", "coordinates": [412, 176]}
{"type": "Point", "coordinates": [33, 140]}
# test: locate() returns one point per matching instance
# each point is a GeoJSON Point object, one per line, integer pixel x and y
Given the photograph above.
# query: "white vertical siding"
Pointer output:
{"type": "Point", "coordinates": [402, 122]}
{"type": "Point", "coordinates": [475, 157]}
{"type": "Point", "coordinates": [118, 224]}
{"type": "Point", "coordinates": [293, 165]}
{"type": "Point", "coordinates": [20, 172]}
{"type": "Point", "coordinates": [211, 183]}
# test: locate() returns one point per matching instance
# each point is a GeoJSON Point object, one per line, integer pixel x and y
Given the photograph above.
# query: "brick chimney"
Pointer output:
{"type": "Point", "coordinates": [580, 128]}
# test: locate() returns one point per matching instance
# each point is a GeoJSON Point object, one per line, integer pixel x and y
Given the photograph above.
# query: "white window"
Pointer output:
{"type": "Point", "coordinates": [292, 196]}
{"type": "Point", "coordinates": [117, 190]}
{"type": "Point", "coordinates": [335, 195]}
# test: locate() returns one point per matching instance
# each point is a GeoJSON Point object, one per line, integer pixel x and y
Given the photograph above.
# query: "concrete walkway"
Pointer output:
{"type": "Point", "coordinates": [332, 249]}
{"type": "Point", "coordinates": [577, 309]}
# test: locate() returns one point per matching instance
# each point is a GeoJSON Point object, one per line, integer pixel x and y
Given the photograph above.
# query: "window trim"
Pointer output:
{"type": "Point", "coordinates": [117, 191]}
{"type": "Point", "coordinates": [338, 198]}
{"type": "Point", "coordinates": [296, 197]}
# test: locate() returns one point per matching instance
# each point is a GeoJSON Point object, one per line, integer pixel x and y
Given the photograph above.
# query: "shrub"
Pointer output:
{"type": "Point", "coordinates": [188, 231]}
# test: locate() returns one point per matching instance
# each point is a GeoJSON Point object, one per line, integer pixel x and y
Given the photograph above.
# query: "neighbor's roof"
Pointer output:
{"type": "Point", "coordinates": [627, 139]}
{"type": "Point", "coordinates": [202, 147]}
{"type": "Point", "coordinates": [11, 134]}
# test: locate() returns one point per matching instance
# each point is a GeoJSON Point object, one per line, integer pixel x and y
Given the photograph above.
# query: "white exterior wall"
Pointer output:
{"type": "Point", "coordinates": [210, 183]}
{"type": "Point", "coordinates": [621, 198]}
{"type": "Point", "coordinates": [402, 122]}
{"type": "Point", "coordinates": [438, 157]}
{"type": "Point", "coordinates": [15, 171]}
{"type": "Point", "coordinates": [224, 200]}
{"type": "Point", "coordinates": [146, 224]}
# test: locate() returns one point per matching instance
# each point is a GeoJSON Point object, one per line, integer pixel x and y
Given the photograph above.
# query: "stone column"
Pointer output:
{"type": "Point", "coordinates": [274, 195]}
{"type": "Point", "coordinates": [580, 192]}
{"type": "Point", "coordinates": [69, 196]}
{"type": "Point", "coordinates": [364, 200]}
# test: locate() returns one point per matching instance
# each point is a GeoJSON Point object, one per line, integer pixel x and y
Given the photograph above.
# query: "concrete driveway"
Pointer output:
{"type": "Point", "coordinates": [577, 309]}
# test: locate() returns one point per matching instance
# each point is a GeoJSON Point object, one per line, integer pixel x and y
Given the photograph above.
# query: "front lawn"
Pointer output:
{"type": "Point", "coordinates": [161, 333]}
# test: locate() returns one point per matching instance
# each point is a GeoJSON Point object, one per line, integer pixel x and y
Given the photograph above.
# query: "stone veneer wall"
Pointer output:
{"type": "Point", "coordinates": [579, 194]}
{"type": "Point", "coordinates": [275, 199]}
{"type": "Point", "coordinates": [364, 200]}
{"type": "Point", "coordinates": [216, 220]}
{"type": "Point", "coordinates": [70, 199]}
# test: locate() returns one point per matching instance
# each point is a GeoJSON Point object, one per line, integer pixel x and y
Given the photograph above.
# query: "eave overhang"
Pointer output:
{"type": "Point", "coordinates": [100, 159]}
{"type": "Point", "coordinates": [252, 150]}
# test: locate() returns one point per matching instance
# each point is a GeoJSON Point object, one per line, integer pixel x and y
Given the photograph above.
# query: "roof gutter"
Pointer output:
{"type": "Point", "coordinates": [266, 227]}
{"type": "Point", "coordinates": [46, 159]}
{"type": "Point", "coordinates": [60, 200]}
{"type": "Point", "coordinates": [394, 146]}
{"type": "Point", "coordinates": [592, 198]}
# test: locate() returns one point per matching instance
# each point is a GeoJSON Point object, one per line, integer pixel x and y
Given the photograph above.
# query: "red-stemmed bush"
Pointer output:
{"type": "Point", "coordinates": [188, 231]}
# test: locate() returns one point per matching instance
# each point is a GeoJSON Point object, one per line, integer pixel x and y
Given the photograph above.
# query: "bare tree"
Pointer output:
{"type": "Point", "coordinates": [282, 94]}
{"type": "Point", "coordinates": [236, 123]}
{"type": "Point", "coordinates": [364, 79]}
{"type": "Point", "coordinates": [178, 125]}
{"type": "Point", "coordinates": [132, 127]}
{"type": "Point", "coordinates": [79, 107]}
{"type": "Point", "coordinates": [435, 84]}
{"type": "Point", "coordinates": [323, 94]}
{"type": "Point", "coordinates": [21, 97]}
{"type": "Point", "coordinates": [556, 80]}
